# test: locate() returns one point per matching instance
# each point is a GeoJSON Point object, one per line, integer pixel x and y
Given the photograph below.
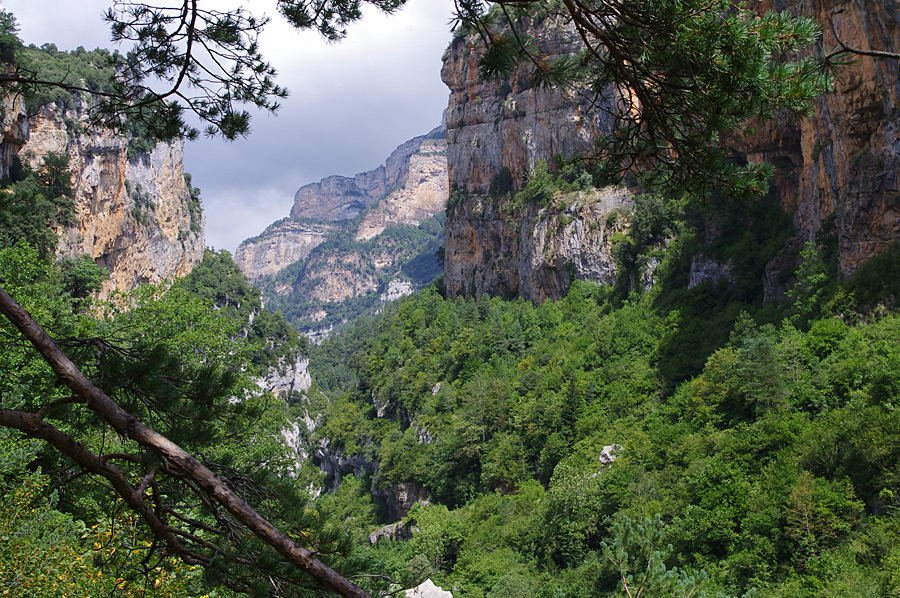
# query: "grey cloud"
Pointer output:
{"type": "Point", "coordinates": [351, 104]}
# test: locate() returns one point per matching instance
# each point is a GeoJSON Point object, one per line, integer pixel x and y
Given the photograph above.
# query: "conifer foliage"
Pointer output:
{"type": "Point", "coordinates": [673, 76]}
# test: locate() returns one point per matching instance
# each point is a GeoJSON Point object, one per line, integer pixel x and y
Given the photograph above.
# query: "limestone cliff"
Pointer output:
{"type": "Point", "coordinates": [13, 129]}
{"type": "Point", "coordinates": [138, 218]}
{"type": "Point", "coordinates": [840, 169]}
{"type": "Point", "coordinates": [838, 172]}
{"type": "Point", "coordinates": [341, 198]}
{"type": "Point", "coordinates": [533, 251]}
{"type": "Point", "coordinates": [423, 192]}
{"type": "Point", "coordinates": [322, 266]}
{"type": "Point", "coordinates": [279, 246]}
{"type": "Point", "coordinates": [512, 124]}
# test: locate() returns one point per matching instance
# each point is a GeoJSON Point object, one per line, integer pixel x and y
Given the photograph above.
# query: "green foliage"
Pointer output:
{"type": "Point", "coordinates": [81, 275]}
{"type": "Point", "coordinates": [35, 204]}
{"type": "Point", "coordinates": [170, 359]}
{"type": "Point", "coordinates": [93, 70]}
{"type": "Point", "coordinates": [218, 280]}
{"type": "Point", "coordinates": [500, 410]}
{"type": "Point", "coordinates": [9, 38]}
{"type": "Point", "coordinates": [808, 291]}
{"type": "Point", "coordinates": [654, 220]}
{"type": "Point", "coordinates": [44, 552]}
{"type": "Point", "coordinates": [540, 187]}
{"type": "Point", "coordinates": [501, 183]}
{"type": "Point", "coordinates": [875, 281]}
{"type": "Point", "coordinates": [195, 205]}
{"type": "Point", "coordinates": [640, 558]}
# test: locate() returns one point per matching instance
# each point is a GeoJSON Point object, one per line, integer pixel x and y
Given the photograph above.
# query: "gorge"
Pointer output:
{"type": "Point", "coordinates": [594, 369]}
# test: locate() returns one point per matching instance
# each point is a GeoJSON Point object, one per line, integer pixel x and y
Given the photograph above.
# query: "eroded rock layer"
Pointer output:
{"type": "Point", "coordinates": [279, 246]}
{"type": "Point", "coordinates": [534, 252]}
{"type": "Point", "coordinates": [512, 124]}
{"type": "Point", "coordinates": [341, 198]}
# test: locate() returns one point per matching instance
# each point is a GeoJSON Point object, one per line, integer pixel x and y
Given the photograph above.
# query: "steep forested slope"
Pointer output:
{"type": "Point", "coordinates": [515, 440]}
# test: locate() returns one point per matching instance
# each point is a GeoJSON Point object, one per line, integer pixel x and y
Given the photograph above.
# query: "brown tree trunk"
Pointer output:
{"type": "Point", "coordinates": [128, 426]}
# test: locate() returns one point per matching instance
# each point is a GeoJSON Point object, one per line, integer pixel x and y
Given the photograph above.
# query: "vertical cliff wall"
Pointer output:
{"type": "Point", "coordinates": [512, 124]}
{"type": "Point", "coordinates": [280, 245]}
{"type": "Point", "coordinates": [532, 251]}
{"type": "Point", "coordinates": [13, 129]}
{"type": "Point", "coordinates": [136, 217]}
{"type": "Point", "coordinates": [840, 169]}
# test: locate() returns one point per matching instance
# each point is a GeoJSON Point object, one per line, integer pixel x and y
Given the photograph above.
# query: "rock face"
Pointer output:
{"type": "Point", "coordinates": [423, 192]}
{"type": "Point", "coordinates": [399, 531]}
{"type": "Point", "coordinates": [279, 246]}
{"type": "Point", "coordinates": [337, 276]}
{"type": "Point", "coordinates": [427, 589]}
{"type": "Point", "coordinates": [492, 126]}
{"type": "Point", "coordinates": [841, 167]}
{"type": "Point", "coordinates": [838, 171]}
{"type": "Point", "coordinates": [512, 124]}
{"type": "Point", "coordinates": [13, 129]}
{"type": "Point", "coordinates": [288, 378]}
{"type": "Point", "coordinates": [535, 251]}
{"type": "Point", "coordinates": [337, 260]}
{"type": "Point", "coordinates": [341, 198]}
{"type": "Point", "coordinates": [136, 217]}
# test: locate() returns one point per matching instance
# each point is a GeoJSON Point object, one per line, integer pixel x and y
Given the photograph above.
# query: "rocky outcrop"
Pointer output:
{"type": "Point", "coordinates": [136, 217]}
{"type": "Point", "coordinates": [427, 589]}
{"type": "Point", "coordinates": [337, 276]}
{"type": "Point", "coordinates": [840, 169]}
{"type": "Point", "coordinates": [279, 246]}
{"type": "Point", "coordinates": [423, 193]}
{"type": "Point", "coordinates": [496, 127]}
{"type": "Point", "coordinates": [335, 465]}
{"type": "Point", "coordinates": [341, 198]}
{"type": "Point", "coordinates": [13, 129]}
{"type": "Point", "coordinates": [706, 270]}
{"type": "Point", "coordinates": [397, 289]}
{"type": "Point", "coordinates": [287, 378]}
{"type": "Point", "coordinates": [398, 531]}
{"type": "Point", "coordinates": [533, 251]}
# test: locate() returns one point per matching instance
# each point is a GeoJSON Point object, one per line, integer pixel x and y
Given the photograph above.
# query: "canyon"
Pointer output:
{"type": "Point", "coordinates": [351, 240]}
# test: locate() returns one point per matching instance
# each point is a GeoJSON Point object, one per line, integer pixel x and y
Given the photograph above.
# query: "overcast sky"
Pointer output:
{"type": "Point", "coordinates": [351, 103]}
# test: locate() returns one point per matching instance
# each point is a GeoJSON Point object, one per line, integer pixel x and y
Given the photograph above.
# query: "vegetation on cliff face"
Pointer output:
{"type": "Point", "coordinates": [33, 202]}
{"type": "Point", "coordinates": [94, 71]}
